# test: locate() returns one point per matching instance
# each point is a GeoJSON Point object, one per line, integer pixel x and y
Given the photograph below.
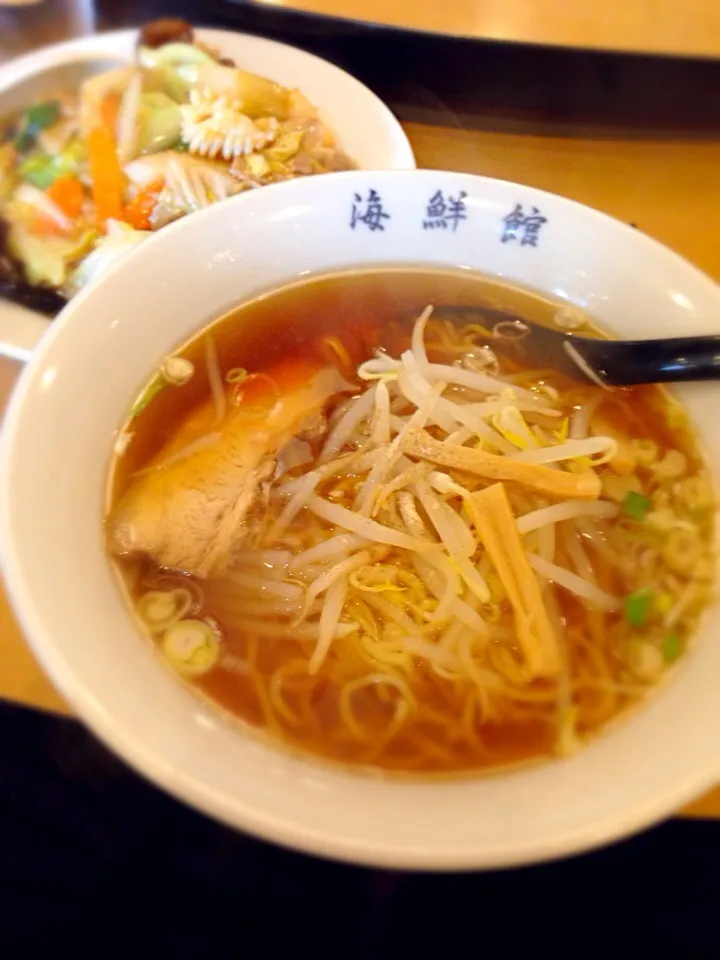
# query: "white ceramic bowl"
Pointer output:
{"type": "Point", "coordinates": [364, 126]}
{"type": "Point", "coordinates": [54, 458]}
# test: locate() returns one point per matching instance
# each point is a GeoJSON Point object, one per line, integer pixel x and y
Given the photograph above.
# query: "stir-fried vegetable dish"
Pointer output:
{"type": "Point", "coordinates": [89, 173]}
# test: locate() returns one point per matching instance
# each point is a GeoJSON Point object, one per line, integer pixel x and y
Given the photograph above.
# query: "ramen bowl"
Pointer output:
{"type": "Point", "coordinates": [56, 448]}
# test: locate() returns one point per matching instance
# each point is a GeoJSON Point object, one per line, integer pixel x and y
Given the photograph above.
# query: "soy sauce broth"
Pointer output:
{"type": "Point", "coordinates": [366, 310]}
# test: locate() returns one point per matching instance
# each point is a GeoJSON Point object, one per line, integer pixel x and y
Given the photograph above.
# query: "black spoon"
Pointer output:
{"type": "Point", "coordinates": [615, 363]}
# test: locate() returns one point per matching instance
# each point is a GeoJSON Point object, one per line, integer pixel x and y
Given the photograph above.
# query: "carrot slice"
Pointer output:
{"type": "Point", "coordinates": [45, 226]}
{"type": "Point", "coordinates": [109, 109]}
{"type": "Point", "coordinates": [137, 212]}
{"type": "Point", "coordinates": [108, 181]}
{"type": "Point", "coordinates": [107, 176]}
{"type": "Point", "coordinates": [68, 194]}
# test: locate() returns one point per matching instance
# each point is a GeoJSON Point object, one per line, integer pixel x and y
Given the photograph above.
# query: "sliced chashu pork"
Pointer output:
{"type": "Point", "coordinates": [193, 513]}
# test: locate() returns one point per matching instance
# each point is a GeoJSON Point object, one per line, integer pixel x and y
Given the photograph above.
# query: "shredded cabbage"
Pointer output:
{"type": "Point", "coordinates": [159, 123]}
{"type": "Point", "coordinates": [119, 240]}
{"type": "Point", "coordinates": [46, 260]}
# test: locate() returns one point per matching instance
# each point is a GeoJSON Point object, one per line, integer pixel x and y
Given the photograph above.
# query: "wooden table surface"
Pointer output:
{"type": "Point", "coordinates": [676, 27]}
{"type": "Point", "coordinates": [640, 141]}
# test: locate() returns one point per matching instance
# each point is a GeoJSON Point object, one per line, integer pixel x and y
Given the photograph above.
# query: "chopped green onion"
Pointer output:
{"type": "Point", "coordinates": [671, 647]}
{"type": "Point", "coordinates": [177, 371]}
{"type": "Point", "coordinates": [153, 388]}
{"type": "Point", "coordinates": [638, 606]}
{"type": "Point", "coordinates": [191, 646]}
{"type": "Point", "coordinates": [636, 505]}
{"type": "Point", "coordinates": [236, 375]}
{"type": "Point", "coordinates": [159, 609]}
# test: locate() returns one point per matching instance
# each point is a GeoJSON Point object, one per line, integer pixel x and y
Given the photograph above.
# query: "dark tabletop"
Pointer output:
{"type": "Point", "coordinates": [92, 857]}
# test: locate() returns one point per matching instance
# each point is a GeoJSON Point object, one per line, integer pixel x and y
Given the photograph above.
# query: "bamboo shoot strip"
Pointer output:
{"type": "Point", "coordinates": [497, 527]}
{"type": "Point", "coordinates": [553, 483]}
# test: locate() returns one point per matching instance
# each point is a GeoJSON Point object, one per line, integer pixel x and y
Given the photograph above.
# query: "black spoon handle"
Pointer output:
{"type": "Point", "coordinates": [626, 362]}
{"type": "Point", "coordinates": [615, 362]}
